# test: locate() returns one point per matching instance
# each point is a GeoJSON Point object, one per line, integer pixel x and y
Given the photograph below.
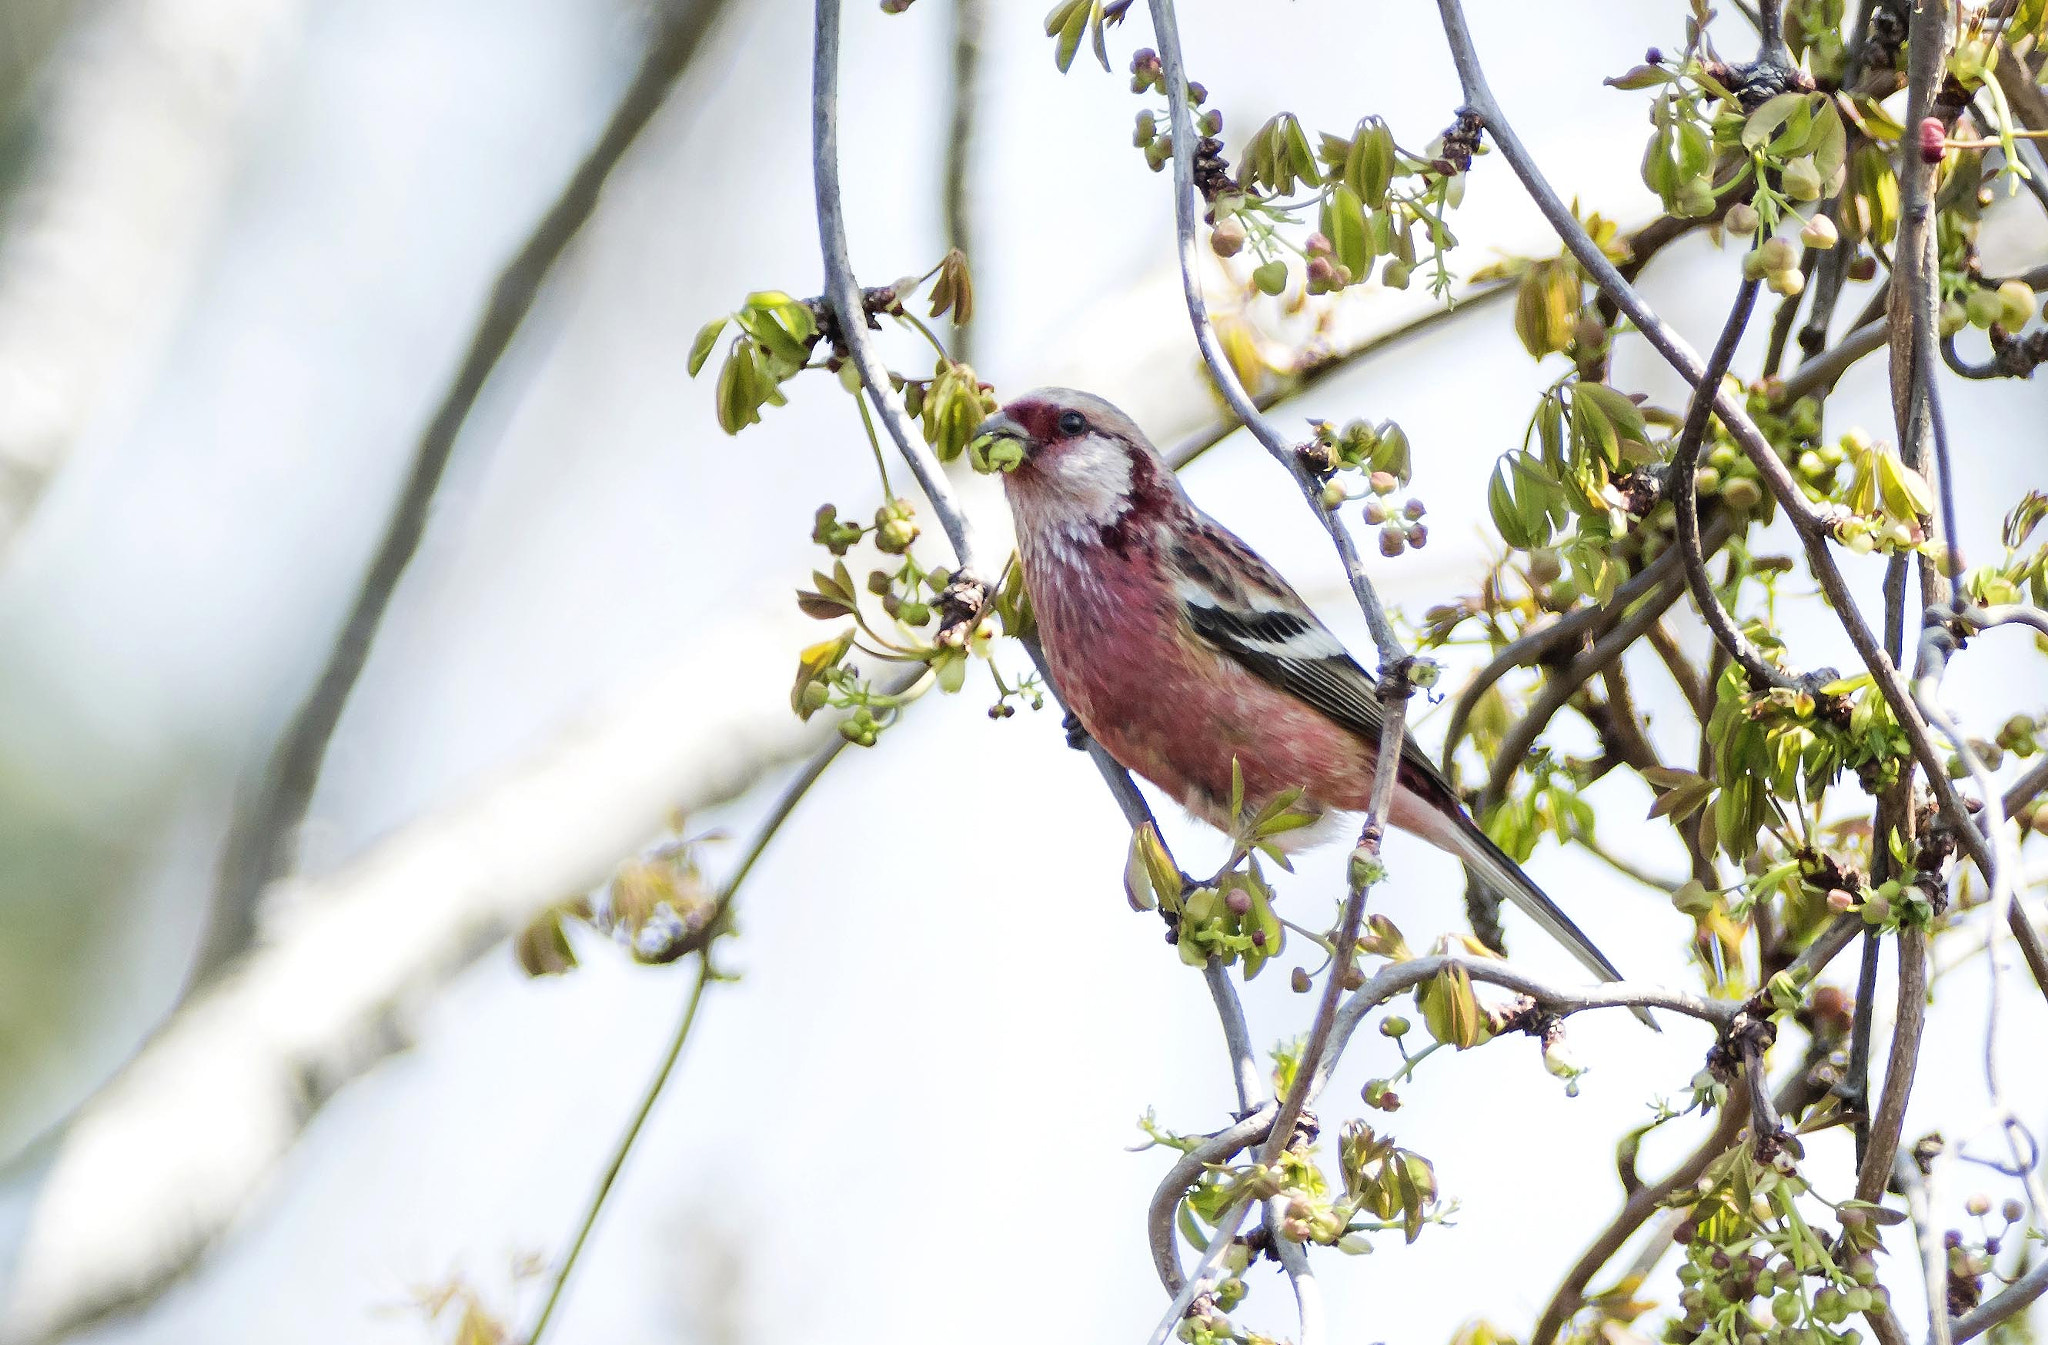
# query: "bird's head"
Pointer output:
{"type": "Point", "coordinates": [1072, 461]}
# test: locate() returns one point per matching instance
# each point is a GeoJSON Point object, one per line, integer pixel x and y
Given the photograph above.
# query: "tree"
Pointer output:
{"type": "Point", "coordinates": [1822, 809]}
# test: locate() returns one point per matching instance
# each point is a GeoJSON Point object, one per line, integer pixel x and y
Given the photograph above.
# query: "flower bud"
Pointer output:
{"type": "Point", "coordinates": [1418, 535]}
{"type": "Point", "coordinates": [1952, 318]}
{"type": "Point", "coordinates": [1789, 283]}
{"type": "Point", "coordinates": [1864, 267]}
{"type": "Point", "coordinates": [1318, 245]}
{"type": "Point", "coordinates": [1300, 982]}
{"type": "Point", "coordinates": [1376, 511]}
{"type": "Point", "coordinates": [1394, 275]}
{"type": "Point", "coordinates": [1820, 233]}
{"type": "Point", "coordinates": [1334, 496]}
{"type": "Point", "coordinates": [2018, 301]}
{"type": "Point", "coordinates": [1383, 483]}
{"type": "Point", "coordinates": [1271, 278]}
{"type": "Point", "coordinates": [1227, 238]}
{"type": "Point", "coordinates": [1778, 254]}
{"type": "Point", "coordinates": [1801, 179]}
{"type": "Point", "coordinates": [1932, 135]}
{"type": "Point", "coordinates": [1742, 494]}
{"type": "Point", "coordinates": [1392, 543]}
{"type": "Point", "coordinates": [1742, 219]}
{"type": "Point", "coordinates": [1147, 128]}
{"type": "Point", "coordinates": [1395, 1026]}
{"type": "Point", "coordinates": [1984, 307]}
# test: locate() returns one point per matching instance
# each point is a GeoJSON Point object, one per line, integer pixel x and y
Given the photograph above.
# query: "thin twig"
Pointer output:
{"type": "Point", "coordinates": [1685, 500]}
{"type": "Point", "coordinates": [1325, 1042]}
{"type": "Point", "coordinates": [963, 91]}
{"type": "Point", "coordinates": [1589, 621]}
{"type": "Point", "coordinates": [720, 923]}
{"type": "Point", "coordinates": [843, 293]}
{"type": "Point", "coordinates": [1223, 1146]}
{"type": "Point", "coordinates": [1814, 528]}
{"type": "Point", "coordinates": [1927, 1241]}
{"type": "Point", "coordinates": [264, 830]}
{"type": "Point", "coordinates": [1515, 744]}
{"type": "Point", "coordinates": [1167, 34]}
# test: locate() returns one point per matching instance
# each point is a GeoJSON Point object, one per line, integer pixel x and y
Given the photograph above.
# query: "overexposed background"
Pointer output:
{"type": "Point", "coordinates": [242, 248]}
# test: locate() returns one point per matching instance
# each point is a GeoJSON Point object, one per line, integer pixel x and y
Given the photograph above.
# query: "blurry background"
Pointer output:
{"type": "Point", "coordinates": [246, 247]}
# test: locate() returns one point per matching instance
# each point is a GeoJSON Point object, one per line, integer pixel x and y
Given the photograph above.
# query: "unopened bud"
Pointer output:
{"type": "Point", "coordinates": [1318, 245]}
{"type": "Point", "coordinates": [1392, 543]}
{"type": "Point", "coordinates": [1742, 219]}
{"type": "Point", "coordinates": [1820, 233]}
{"type": "Point", "coordinates": [1300, 982]}
{"type": "Point", "coordinates": [1227, 238]}
{"type": "Point", "coordinates": [1932, 137]}
{"type": "Point", "coordinates": [1383, 483]}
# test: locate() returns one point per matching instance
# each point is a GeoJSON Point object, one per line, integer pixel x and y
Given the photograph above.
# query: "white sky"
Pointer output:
{"type": "Point", "coordinates": [908, 1119]}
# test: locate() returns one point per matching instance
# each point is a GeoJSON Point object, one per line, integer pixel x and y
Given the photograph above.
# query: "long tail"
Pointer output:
{"type": "Point", "coordinates": [1490, 865]}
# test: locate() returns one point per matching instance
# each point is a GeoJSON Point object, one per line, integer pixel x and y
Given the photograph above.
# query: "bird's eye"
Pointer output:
{"type": "Point", "coordinates": [1072, 423]}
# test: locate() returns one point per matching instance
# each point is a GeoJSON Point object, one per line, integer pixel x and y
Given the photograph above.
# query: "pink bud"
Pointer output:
{"type": "Point", "coordinates": [1932, 135]}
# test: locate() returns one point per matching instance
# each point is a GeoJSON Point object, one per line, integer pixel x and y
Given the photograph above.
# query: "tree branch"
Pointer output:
{"type": "Point", "coordinates": [1911, 1020]}
{"type": "Point", "coordinates": [1384, 638]}
{"type": "Point", "coordinates": [264, 830]}
{"type": "Point", "coordinates": [1685, 500]}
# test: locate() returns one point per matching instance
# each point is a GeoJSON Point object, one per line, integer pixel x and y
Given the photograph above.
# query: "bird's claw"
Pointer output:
{"type": "Point", "coordinates": [1077, 737]}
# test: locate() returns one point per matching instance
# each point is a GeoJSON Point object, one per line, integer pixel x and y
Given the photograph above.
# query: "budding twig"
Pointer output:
{"type": "Point", "coordinates": [1813, 528]}
{"type": "Point", "coordinates": [1167, 33]}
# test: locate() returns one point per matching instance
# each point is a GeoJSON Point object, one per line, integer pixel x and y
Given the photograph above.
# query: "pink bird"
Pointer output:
{"type": "Point", "coordinates": [1178, 649]}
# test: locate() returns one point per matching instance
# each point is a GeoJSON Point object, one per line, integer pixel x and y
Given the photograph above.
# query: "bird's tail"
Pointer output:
{"type": "Point", "coordinates": [1491, 867]}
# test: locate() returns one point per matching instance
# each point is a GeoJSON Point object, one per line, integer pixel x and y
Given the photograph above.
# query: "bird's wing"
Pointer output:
{"type": "Point", "coordinates": [1239, 604]}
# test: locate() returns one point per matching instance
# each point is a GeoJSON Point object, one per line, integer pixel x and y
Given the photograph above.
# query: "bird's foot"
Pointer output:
{"type": "Point", "coordinates": [1077, 737]}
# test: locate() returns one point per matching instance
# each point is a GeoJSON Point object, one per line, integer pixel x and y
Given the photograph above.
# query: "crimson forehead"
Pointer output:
{"type": "Point", "coordinates": [1041, 418]}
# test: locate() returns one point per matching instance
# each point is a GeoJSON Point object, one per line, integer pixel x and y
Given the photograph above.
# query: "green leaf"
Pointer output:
{"type": "Point", "coordinates": [1766, 121]}
{"type": "Point", "coordinates": [707, 340]}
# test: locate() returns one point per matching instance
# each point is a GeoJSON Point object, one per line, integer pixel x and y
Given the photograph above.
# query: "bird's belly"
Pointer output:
{"type": "Point", "coordinates": [1171, 708]}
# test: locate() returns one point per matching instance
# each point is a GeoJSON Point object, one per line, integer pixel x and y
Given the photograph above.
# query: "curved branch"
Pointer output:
{"type": "Point", "coordinates": [1814, 528]}
{"type": "Point", "coordinates": [1326, 1038]}
{"type": "Point", "coordinates": [1560, 688]}
{"type": "Point", "coordinates": [1591, 620]}
{"type": "Point", "coordinates": [1685, 499]}
{"type": "Point", "coordinates": [1167, 33]}
{"type": "Point", "coordinates": [1221, 1147]}
{"type": "Point", "coordinates": [265, 826]}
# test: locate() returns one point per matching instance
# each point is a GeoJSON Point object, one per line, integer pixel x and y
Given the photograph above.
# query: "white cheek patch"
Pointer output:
{"type": "Point", "coordinates": [1093, 478]}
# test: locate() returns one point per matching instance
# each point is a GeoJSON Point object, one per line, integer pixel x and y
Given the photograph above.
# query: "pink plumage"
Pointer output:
{"type": "Point", "coordinates": [1179, 649]}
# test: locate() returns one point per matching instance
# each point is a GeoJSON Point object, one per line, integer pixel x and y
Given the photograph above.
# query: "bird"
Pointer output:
{"type": "Point", "coordinates": [1187, 657]}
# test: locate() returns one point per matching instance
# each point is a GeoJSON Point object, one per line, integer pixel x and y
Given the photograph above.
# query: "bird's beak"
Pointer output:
{"type": "Point", "coordinates": [999, 444]}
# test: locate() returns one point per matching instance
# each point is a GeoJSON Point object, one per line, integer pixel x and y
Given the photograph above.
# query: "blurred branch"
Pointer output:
{"type": "Point", "coordinates": [970, 21]}
{"type": "Point", "coordinates": [264, 832]}
{"type": "Point", "coordinates": [128, 154]}
{"type": "Point", "coordinates": [161, 1162]}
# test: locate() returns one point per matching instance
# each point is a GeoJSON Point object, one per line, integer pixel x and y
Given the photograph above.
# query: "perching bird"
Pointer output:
{"type": "Point", "coordinates": [1178, 649]}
